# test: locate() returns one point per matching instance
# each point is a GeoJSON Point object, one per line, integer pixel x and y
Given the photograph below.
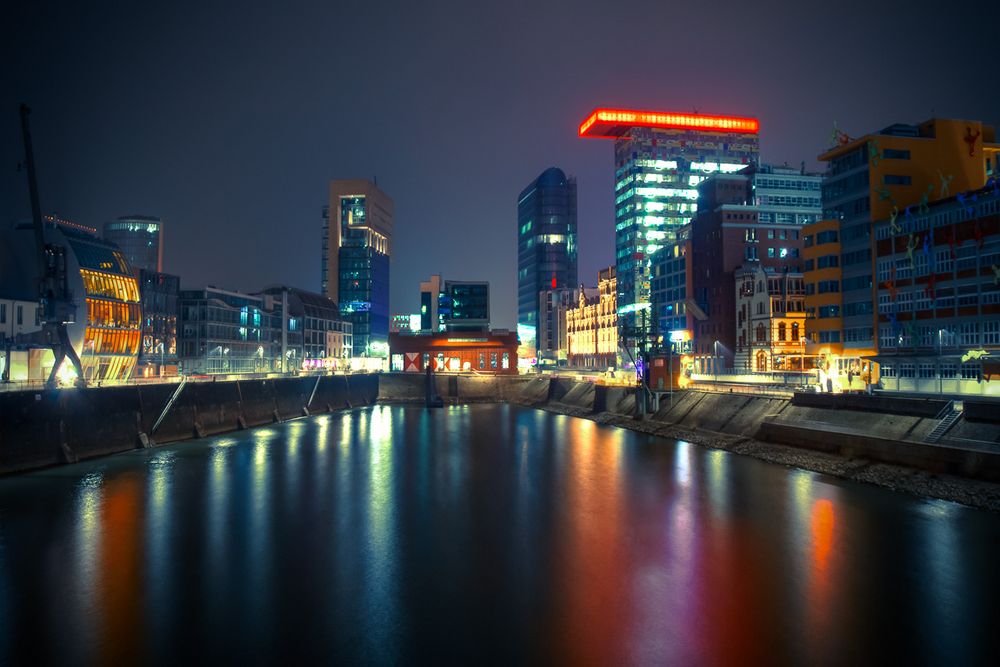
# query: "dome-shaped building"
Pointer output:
{"type": "Point", "coordinates": [106, 333]}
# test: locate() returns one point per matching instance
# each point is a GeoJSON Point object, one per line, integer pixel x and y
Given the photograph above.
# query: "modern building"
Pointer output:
{"type": "Point", "coordinates": [402, 323]}
{"type": "Point", "coordinates": [770, 320]}
{"type": "Point", "coordinates": [592, 327]}
{"type": "Point", "coordinates": [726, 234]}
{"type": "Point", "coordinates": [938, 296]}
{"type": "Point", "coordinates": [159, 294]}
{"type": "Point", "coordinates": [660, 158]}
{"type": "Point", "coordinates": [107, 329]}
{"type": "Point", "coordinates": [430, 299]}
{"type": "Point", "coordinates": [487, 352]}
{"type": "Point", "coordinates": [140, 238]}
{"type": "Point", "coordinates": [782, 199]}
{"type": "Point", "coordinates": [357, 247]}
{"type": "Point", "coordinates": [465, 306]}
{"type": "Point", "coordinates": [315, 334]}
{"type": "Point", "coordinates": [546, 245]}
{"type": "Point", "coordinates": [223, 331]}
{"type": "Point", "coordinates": [553, 341]}
{"type": "Point", "coordinates": [893, 175]}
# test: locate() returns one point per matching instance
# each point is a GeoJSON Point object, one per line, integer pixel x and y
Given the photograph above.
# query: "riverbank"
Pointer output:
{"type": "Point", "coordinates": [971, 492]}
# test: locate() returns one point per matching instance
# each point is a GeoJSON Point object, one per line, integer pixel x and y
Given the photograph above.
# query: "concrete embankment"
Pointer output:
{"type": "Point", "coordinates": [44, 428]}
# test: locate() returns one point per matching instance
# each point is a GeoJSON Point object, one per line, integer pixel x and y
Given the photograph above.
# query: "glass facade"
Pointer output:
{"type": "Point", "coordinates": [465, 306]}
{"type": "Point", "coordinates": [159, 293]}
{"type": "Point", "coordinates": [363, 279]}
{"type": "Point", "coordinates": [657, 172]}
{"type": "Point", "coordinates": [139, 237]}
{"type": "Point", "coordinates": [113, 323]}
{"type": "Point", "coordinates": [546, 245]}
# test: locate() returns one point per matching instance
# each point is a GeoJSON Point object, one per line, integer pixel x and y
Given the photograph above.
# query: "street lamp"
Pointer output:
{"type": "Point", "coordinates": [715, 362]}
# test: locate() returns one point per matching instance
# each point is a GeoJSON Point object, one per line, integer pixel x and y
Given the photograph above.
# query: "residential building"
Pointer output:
{"type": "Point", "coordinates": [938, 296]}
{"type": "Point", "coordinates": [140, 238]}
{"type": "Point", "coordinates": [357, 247]}
{"type": "Point", "coordinates": [770, 320]}
{"type": "Point", "coordinates": [592, 327]}
{"type": "Point", "coordinates": [546, 245]}
{"type": "Point", "coordinates": [480, 352]}
{"type": "Point", "coordinates": [159, 294]}
{"type": "Point", "coordinates": [892, 175]}
{"type": "Point", "coordinates": [660, 158]}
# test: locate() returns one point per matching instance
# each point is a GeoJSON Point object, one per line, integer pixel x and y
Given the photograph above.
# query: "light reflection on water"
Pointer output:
{"type": "Point", "coordinates": [480, 533]}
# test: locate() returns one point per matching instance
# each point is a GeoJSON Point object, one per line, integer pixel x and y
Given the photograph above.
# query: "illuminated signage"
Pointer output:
{"type": "Point", "coordinates": [613, 122]}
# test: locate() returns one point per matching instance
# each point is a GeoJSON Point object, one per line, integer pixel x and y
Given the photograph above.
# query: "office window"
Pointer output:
{"type": "Point", "coordinates": [20, 315]}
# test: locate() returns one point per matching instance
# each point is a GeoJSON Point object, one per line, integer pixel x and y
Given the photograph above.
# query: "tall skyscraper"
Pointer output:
{"type": "Point", "coordinates": [660, 158]}
{"type": "Point", "coordinates": [140, 238]}
{"type": "Point", "coordinates": [546, 245]}
{"type": "Point", "coordinates": [357, 236]}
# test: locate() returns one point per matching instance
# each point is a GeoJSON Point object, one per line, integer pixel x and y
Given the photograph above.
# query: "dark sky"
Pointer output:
{"type": "Point", "coordinates": [229, 119]}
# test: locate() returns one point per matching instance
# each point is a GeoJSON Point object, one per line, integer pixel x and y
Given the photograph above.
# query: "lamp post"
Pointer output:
{"type": "Point", "coordinates": [715, 362]}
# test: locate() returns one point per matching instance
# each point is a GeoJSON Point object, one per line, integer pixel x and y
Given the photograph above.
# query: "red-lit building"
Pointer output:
{"type": "Point", "coordinates": [491, 353]}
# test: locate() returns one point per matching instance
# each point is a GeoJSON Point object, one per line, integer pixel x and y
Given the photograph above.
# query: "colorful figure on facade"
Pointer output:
{"type": "Point", "coordinates": [924, 199]}
{"type": "Point", "coordinates": [929, 289]}
{"type": "Point", "coordinates": [996, 274]}
{"type": "Point", "coordinates": [874, 155]}
{"type": "Point", "coordinates": [893, 227]}
{"type": "Point", "coordinates": [952, 242]}
{"type": "Point", "coordinates": [945, 184]}
{"type": "Point", "coordinates": [971, 139]}
{"type": "Point", "coordinates": [929, 251]}
{"type": "Point", "coordinates": [911, 245]}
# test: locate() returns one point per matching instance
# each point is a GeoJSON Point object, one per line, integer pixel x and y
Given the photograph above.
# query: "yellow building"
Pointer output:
{"type": "Point", "coordinates": [892, 175]}
{"type": "Point", "coordinates": [592, 327]}
{"type": "Point", "coordinates": [770, 320]}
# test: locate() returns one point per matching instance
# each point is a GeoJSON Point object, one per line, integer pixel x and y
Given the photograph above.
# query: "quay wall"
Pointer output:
{"type": "Point", "coordinates": [50, 427]}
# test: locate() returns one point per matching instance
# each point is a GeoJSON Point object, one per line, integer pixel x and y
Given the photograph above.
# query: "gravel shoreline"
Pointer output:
{"type": "Point", "coordinates": [970, 492]}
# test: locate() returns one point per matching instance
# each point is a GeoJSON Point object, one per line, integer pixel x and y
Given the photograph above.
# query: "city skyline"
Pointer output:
{"type": "Point", "coordinates": [242, 174]}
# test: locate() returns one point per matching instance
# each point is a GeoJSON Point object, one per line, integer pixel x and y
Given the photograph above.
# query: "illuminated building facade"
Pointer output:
{"type": "Point", "coordinates": [159, 294]}
{"type": "Point", "coordinates": [893, 174]}
{"type": "Point", "coordinates": [228, 332]}
{"type": "Point", "coordinates": [592, 327]}
{"type": "Point", "coordinates": [313, 332]}
{"type": "Point", "coordinates": [485, 352]}
{"type": "Point", "coordinates": [107, 327]}
{"type": "Point", "coordinates": [938, 296]}
{"type": "Point", "coordinates": [465, 306]}
{"type": "Point", "coordinates": [357, 236]}
{"type": "Point", "coordinates": [546, 246]}
{"type": "Point", "coordinates": [140, 238]}
{"type": "Point", "coordinates": [660, 158]}
{"type": "Point", "coordinates": [770, 320]}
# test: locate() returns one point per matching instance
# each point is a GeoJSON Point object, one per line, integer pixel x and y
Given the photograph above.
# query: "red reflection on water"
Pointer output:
{"type": "Point", "coordinates": [120, 570]}
{"type": "Point", "coordinates": [822, 532]}
{"type": "Point", "coordinates": [590, 614]}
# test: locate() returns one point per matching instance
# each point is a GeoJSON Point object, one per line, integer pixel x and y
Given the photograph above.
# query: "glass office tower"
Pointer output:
{"type": "Point", "coordinates": [660, 158]}
{"type": "Point", "coordinates": [140, 238]}
{"type": "Point", "coordinates": [546, 245]}
{"type": "Point", "coordinates": [357, 233]}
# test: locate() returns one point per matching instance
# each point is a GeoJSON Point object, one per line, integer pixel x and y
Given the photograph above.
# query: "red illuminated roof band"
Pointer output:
{"type": "Point", "coordinates": [615, 122]}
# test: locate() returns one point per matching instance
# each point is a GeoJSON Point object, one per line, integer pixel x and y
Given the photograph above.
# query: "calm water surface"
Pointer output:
{"type": "Point", "coordinates": [485, 533]}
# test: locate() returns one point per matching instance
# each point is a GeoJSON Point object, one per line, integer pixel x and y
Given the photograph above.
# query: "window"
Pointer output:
{"type": "Point", "coordinates": [781, 331]}
{"type": "Point", "coordinates": [970, 370]}
{"type": "Point", "coordinates": [892, 179]}
{"type": "Point", "coordinates": [888, 371]}
{"type": "Point", "coordinates": [770, 252]}
{"type": "Point", "coordinates": [906, 371]}
{"type": "Point", "coordinates": [795, 331]}
{"type": "Point", "coordinates": [20, 314]}
{"type": "Point", "coordinates": [482, 360]}
{"type": "Point", "coordinates": [505, 360]}
{"type": "Point", "coordinates": [3, 313]}
{"type": "Point", "coordinates": [925, 371]}
{"type": "Point", "coordinates": [493, 359]}
{"type": "Point", "coordinates": [949, 371]}
{"type": "Point", "coordinates": [895, 154]}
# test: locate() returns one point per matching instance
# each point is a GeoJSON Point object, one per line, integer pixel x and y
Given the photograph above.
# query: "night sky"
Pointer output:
{"type": "Point", "coordinates": [229, 120]}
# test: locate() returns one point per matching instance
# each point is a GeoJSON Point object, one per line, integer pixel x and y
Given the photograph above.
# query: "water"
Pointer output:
{"type": "Point", "coordinates": [484, 533]}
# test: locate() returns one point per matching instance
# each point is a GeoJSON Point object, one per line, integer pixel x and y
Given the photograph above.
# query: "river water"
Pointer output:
{"type": "Point", "coordinates": [482, 534]}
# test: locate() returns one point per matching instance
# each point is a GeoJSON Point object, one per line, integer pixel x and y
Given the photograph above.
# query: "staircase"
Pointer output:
{"type": "Point", "coordinates": [948, 416]}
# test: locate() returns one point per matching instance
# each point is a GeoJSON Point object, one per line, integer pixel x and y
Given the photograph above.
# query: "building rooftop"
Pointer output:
{"type": "Point", "coordinates": [613, 123]}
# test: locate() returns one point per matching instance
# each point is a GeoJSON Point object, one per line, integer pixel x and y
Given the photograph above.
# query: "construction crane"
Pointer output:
{"type": "Point", "coordinates": [55, 300]}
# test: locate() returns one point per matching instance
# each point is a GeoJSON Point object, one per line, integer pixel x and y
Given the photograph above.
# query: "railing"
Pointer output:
{"type": "Point", "coordinates": [38, 385]}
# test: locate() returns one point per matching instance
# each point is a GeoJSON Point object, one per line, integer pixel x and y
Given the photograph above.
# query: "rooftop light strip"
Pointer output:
{"type": "Point", "coordinates": [669, 120]}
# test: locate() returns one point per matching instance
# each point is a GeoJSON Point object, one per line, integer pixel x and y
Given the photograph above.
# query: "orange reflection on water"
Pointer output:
{"type": "Point", "coordinates": [591, 553]}
{"type": "Point", "coordinates": [120, 570]}
{"type": "Point", "coordinates": [822, 533]}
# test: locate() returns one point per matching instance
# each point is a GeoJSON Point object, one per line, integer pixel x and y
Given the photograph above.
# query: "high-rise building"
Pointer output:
{"type": "Point", "coordinates": [660, 158]}
{"type": "Point", "coordinates": [140, 238]}
{"type": "Point", "coordinates": [892, 175]}
{"type": "Point", "coordinates": [552, 342]}
{"type": "Point", "coordinates": [546, 245]}
{"type": "Point", "coordinates": [357, 246]}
